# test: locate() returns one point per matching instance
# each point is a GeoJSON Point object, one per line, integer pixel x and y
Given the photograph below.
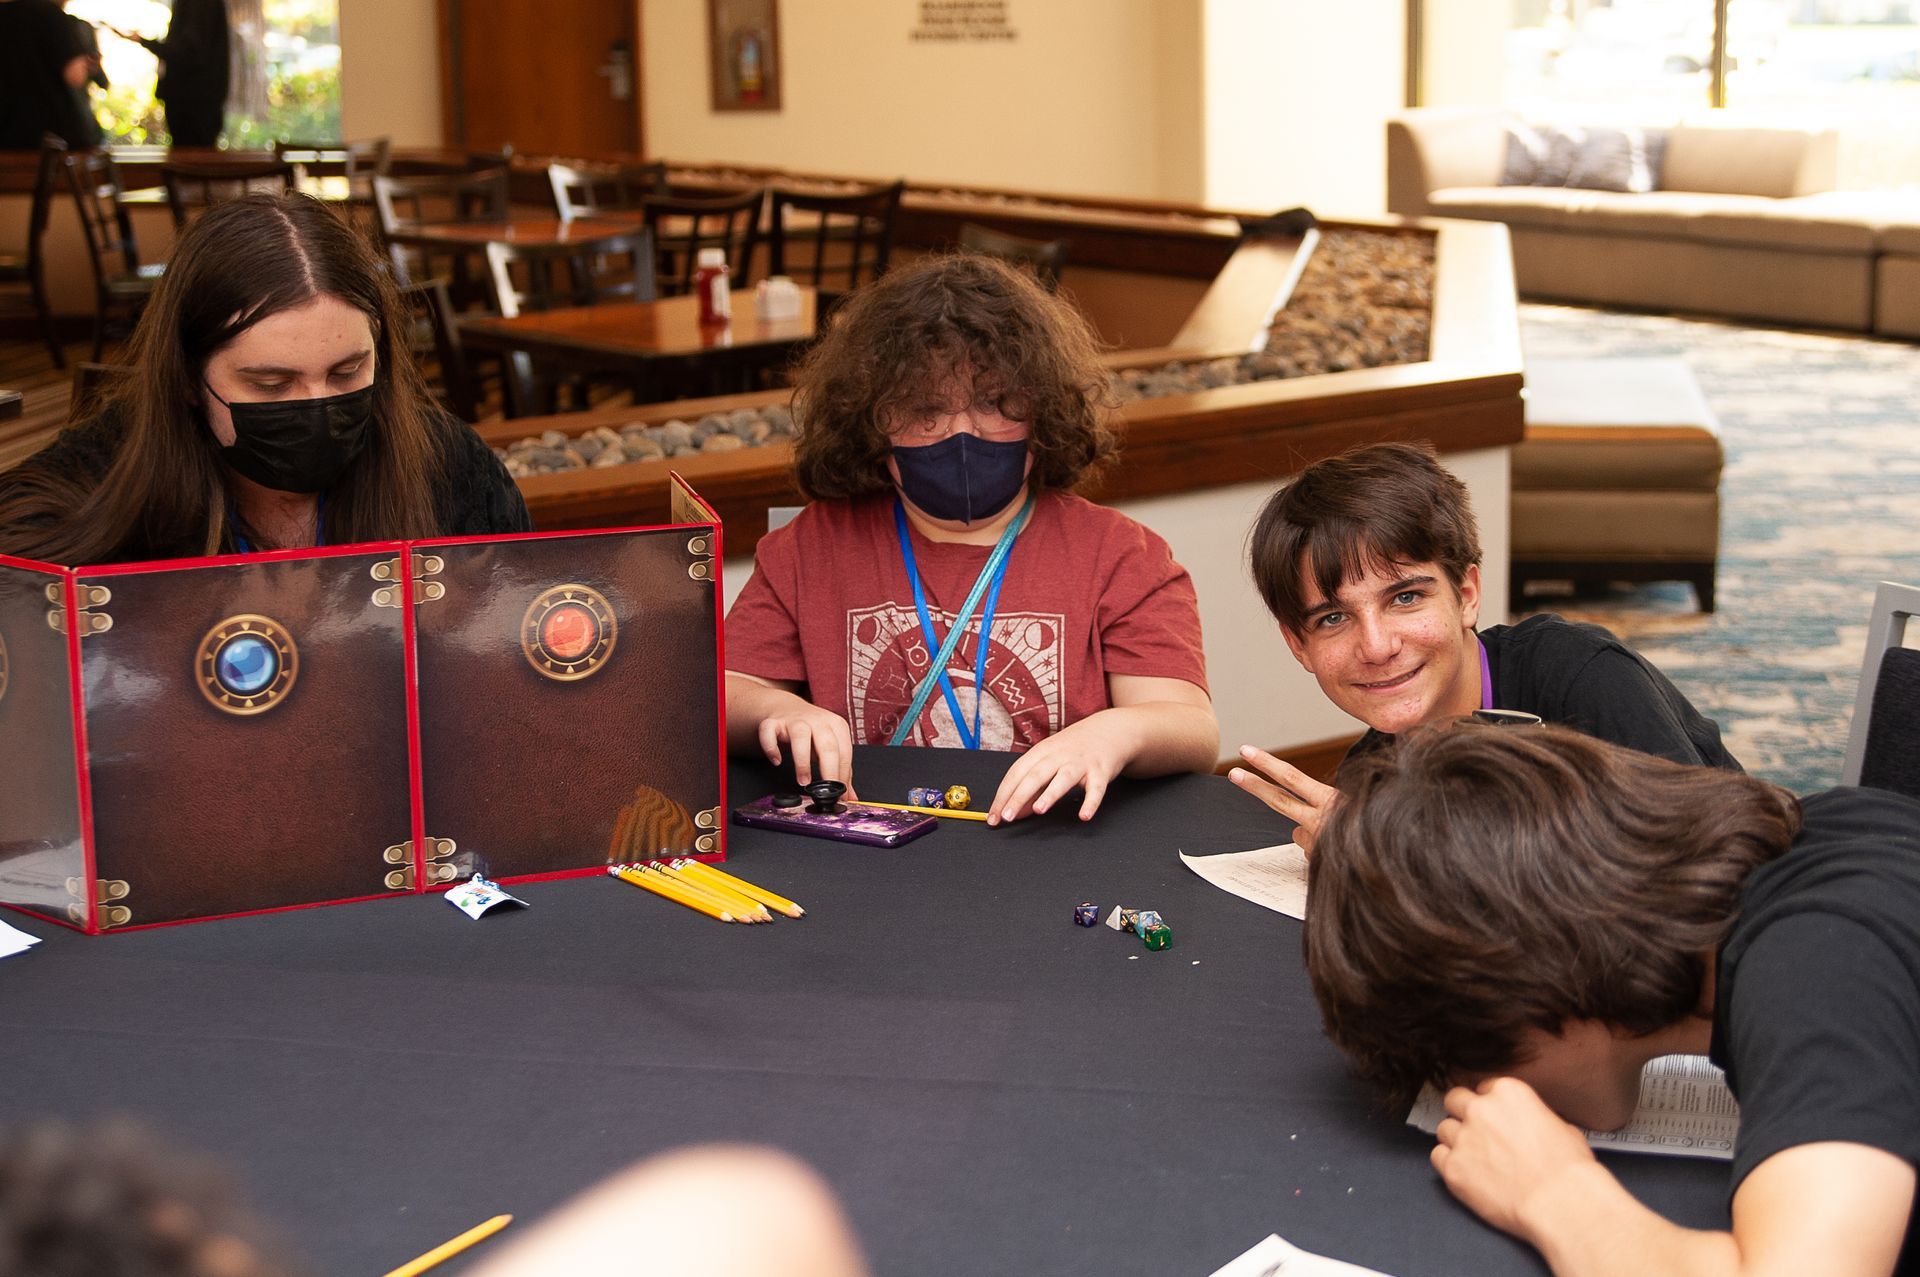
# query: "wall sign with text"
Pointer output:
{"type": "Point", "coordinates": [969, 21]}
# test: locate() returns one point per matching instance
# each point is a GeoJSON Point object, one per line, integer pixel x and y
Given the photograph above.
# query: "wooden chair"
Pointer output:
{"type": "Point", "coordinates": [525, 281]}
{"type": "Point", "coordinates": [435, 331]}
{"type": "Point", "coordinates": [121, 284]}
{"type": "Point", "coordinates": [29, 269]}
{"type": "Point", "coordinates": [858, 228]}
{"type": "Point", "coordinates": [447, 197]}
{"type": "Point", "coordinates": [361, 161]}
{"type": "Point", "coordinates": [92, 383]}
{"type": "Point", "coordinates": [637, 181]}
{"type": "Point", "coordinates": [576, 191]}
{"type": "Point", "coordinates": [193, 188]}
{"type": "Point", "coordinates": [681, 227]}
{"type": "Point", "coordinates": [1043, 257]}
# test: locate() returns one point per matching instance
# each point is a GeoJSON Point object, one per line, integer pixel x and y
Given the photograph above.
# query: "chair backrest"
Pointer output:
{"type": "Point", "coordinates": [360, 160]}
{"type": "Point", "coordinates": [53, 155]}
{"type": "Point", "coordinates": [849, 236]}
{"type": "Point", "coordinates": [612, 268]}
{"type": "Point", "coordinates": [577, 191]}
{"type": "Point", "coordinates": [1044, 257]}
{"type": "Point", "coordinates": [94, 181]}
{"type": "Point", "coordinates": [682, 227]}
{"type": "Point", "coordinates": [1883, 747]}
{"type": "Point", "coordinates": [637, 181]}
{"type": "Point", "coordinates": [429, 304]}
{"type": "Point", "coordinates": [91, 383]}
{"type": "Point", "coordinates": [195, 187]}
{"type": "Point", "coordinates": [441, 197]}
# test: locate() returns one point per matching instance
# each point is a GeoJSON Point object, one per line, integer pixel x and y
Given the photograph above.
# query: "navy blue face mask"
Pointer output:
{"type": "Point", "coordinates": [963, 478]}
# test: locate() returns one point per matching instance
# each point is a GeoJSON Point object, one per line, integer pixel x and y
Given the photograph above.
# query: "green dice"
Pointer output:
{"type": "Point", "coordinates": [1157, 936]}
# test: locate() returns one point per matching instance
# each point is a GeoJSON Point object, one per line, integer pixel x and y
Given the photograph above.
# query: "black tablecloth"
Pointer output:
{"type": "Point", "coordinates": [990, 1088]}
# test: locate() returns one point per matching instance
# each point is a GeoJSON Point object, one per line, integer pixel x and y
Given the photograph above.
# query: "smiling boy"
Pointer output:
{"type": "Point", "coordinates": [1370, 562]}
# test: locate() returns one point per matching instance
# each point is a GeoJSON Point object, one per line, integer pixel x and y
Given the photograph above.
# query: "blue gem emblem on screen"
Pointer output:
{"type": "Point", "coordinates": [247, 665]}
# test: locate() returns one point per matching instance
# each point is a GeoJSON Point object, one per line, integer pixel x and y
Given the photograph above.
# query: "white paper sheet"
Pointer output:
{"type": "Point", "coordinates": [1685, 1110]}
{"type": "Point", "coordinates": [13, 940]}
{"type": "Point", "coordinates": [1272, 876]}
{"type": "Point", "coordinates": [1277, 1257]}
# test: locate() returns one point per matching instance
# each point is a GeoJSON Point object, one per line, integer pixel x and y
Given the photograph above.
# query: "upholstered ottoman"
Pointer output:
{"type": "Point", "coordinates": [1618, 477]}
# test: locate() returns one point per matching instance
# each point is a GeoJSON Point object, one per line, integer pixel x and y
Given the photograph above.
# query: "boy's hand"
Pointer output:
{"type": "Point", "coordinates": [1286, 789]}
{"type": "Point", "coordinates": [1089, 753]}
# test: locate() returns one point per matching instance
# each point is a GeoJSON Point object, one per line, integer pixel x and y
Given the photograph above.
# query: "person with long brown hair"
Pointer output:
{"type": "Point", "coordinates": [946, 587]}
{"type": "Point", "coordinates": [272, 403]}
{"type": "Point", "coordinates": [1528, 916]}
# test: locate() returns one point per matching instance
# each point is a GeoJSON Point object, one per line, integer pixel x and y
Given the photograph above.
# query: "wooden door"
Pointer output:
{"type": "Point", "coordinates": [542, 78]}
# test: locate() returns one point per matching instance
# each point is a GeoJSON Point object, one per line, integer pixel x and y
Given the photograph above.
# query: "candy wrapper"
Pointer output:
{"type": "Point", "coordinates": [478, 895]}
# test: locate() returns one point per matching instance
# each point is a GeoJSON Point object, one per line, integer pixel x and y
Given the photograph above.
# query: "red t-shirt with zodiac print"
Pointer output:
{"type": "Point", "coordinates": [1088, 592]}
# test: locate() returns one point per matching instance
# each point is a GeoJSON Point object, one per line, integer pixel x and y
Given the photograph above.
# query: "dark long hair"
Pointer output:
{"type": "Point", "coordinates": [898, 343]}
{"type": "Point", "coordinates": [1475, 882]}
{"type": "Point", "coordinates": [165, 493]}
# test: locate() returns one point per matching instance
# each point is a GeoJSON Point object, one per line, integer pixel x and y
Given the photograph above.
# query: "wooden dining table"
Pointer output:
{"type": "Point", "coordinates": [475, 236]}
{"type": "Point", "coordinates": [654, 346]}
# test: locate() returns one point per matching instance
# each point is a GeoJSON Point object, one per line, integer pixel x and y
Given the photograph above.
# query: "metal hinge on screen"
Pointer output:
{"type": "Point", "coordinates": [400, 855]}
{"type": "Point", "coordinates": [107, 891]}
{"type": "Point", "coordinates": [701, 548]}
{"type": "Point", "coordinates": [87, 597]}
{"type": "Point", "coordinates": [708, 824]}
{"type": "Point", "coordinates": [424, 591]}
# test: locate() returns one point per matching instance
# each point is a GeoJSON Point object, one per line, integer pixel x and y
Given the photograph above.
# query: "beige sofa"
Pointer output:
{"type": "Point", "coordinates": [1746, 224]}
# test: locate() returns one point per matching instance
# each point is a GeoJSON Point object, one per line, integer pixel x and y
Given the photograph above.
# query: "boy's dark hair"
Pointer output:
{"type": "Point", "coordinates": [1475, 882]}
{"type": "Point", "coordinates": [898, 345]}
{"type": "Point", "coordinates": [108, 1201]}
{"type": "Point", "coordinates": [1373, 506]}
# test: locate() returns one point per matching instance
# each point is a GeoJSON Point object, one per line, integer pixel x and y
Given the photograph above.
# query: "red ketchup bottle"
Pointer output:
{"type": "Point", "coordinates": [711, 286]}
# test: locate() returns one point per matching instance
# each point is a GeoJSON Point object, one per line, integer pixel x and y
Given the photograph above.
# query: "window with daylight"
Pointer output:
{"type": "Point", "coordinates": [284, 70]}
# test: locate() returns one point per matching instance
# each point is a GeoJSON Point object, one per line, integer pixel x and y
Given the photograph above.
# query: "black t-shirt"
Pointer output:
{"type": "Point", "coordinates": [1581, 676]}
{"type": "Point", "coordinates": [37, 41]}
{"type": "Point", "coordinates": [473, 495]}
{"type": "Point", "coordinates": [1817, 993]}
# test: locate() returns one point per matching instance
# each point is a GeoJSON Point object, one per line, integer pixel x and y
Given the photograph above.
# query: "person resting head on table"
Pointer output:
{"type": "Point", "coordinates": [272, 404]}
{"type": "Point", "coordinates": [940, 425]}
{"type": "Point", "coordinates": [1528, 916]}
{"type": "Point", "coordinates": [1370, 562]}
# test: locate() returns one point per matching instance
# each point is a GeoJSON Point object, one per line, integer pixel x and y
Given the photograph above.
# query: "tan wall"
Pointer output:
{"type": "Point", "coordinates": [1101, 101]}
{"type": "Point", "coordinates": [1297, 98]}
{"type": "Point", "coordinates": [390, 71]}
{"type": "Point", "coordinates": [1463, 59]}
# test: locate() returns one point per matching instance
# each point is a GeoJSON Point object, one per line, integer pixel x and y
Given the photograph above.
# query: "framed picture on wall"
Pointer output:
{"type": "Point", "coordinates": [745, 59]}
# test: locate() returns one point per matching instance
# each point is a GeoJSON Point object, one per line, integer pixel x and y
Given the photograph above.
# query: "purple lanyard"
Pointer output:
{"type": "Point", "coordinates": [1486, 675]}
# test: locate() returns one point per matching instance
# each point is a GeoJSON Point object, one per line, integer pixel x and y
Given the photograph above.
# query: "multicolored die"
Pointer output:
{"type": "Point", "coordinates": [957, 797]}
{"type": "Point", "coordinates": [926, 796]}
{"type": "Point", "coordinates": [1147, 918]}
{"type": "Point", "coordinates": [1159, 936]}
{"type": "Point", "coordinates": [1086, 914]}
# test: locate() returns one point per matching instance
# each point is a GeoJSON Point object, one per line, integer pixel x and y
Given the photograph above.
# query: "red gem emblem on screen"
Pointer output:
{"type": "Point", "coordinates": [568, 632]}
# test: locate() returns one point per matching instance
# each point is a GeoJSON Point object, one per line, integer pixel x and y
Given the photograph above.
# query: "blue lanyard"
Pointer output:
{"type": "Point", "coordinates": [1486, 675]}
{"type": "Point", "coordinates": [988, 583]}
{"type": "Point", "coordinates": [243, 546]}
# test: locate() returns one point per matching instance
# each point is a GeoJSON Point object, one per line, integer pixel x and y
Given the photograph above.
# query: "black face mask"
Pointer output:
{"type": "Point", "coordinates": [298, 445]}
{"type": "Point", "coordinates": [963, 477]}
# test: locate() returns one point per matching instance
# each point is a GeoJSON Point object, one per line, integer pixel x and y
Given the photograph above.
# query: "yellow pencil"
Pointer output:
{"type": "Point", "coordinates": [440, 1254]}
{"type": "Point", "coordinates": [626, 873]}
{"type": "Point", "coordinates": [740, 902]}
{"type": "Point", "coordinates": [948, 812]}
{"type": "Point", "coordinates": [742, 909]}
{"type": "Point", "coordinates": [772, 899]}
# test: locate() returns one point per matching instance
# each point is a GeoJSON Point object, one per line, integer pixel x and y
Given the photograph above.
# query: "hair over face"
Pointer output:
{"type": "Point", "coordinates": [1476, 882]}
{"type": "Point", "coordinates": [932, 337]}
{"type": "Point", "coordinates": [238, 263]}
{"type": "Point", "coordinates": [1376, 506]}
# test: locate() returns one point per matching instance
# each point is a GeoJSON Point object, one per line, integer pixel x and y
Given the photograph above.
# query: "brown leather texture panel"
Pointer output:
{"type": "Point", "coordinates": [205, 812]}
{"type": "Point", "coordinates": [529, 773]}
{"type": "Point", "coordinates": [40, 845]}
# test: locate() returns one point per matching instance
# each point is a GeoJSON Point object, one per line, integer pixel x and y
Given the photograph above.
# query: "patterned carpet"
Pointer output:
{"type": "Point", "coordinates": [1819, 502]}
